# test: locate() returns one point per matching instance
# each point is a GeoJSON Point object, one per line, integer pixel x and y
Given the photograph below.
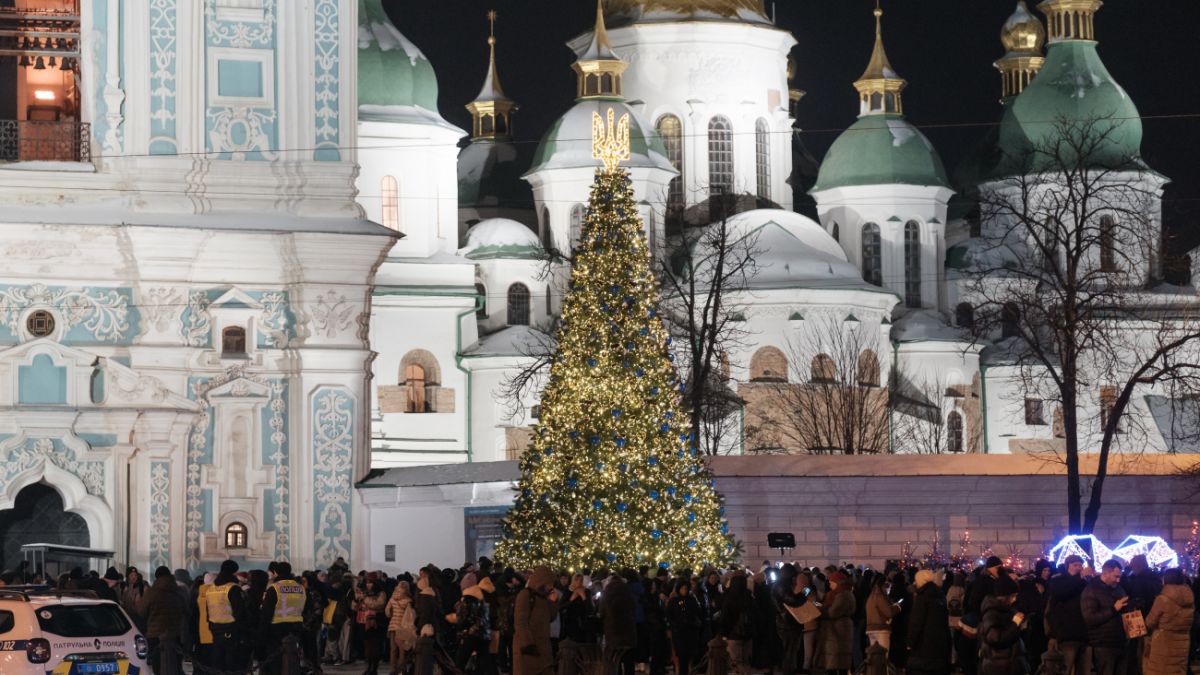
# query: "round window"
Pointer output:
{"type": "Point", "coordinates": [40, 323]}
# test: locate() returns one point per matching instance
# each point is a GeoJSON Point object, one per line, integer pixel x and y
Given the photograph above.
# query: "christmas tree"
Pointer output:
{"type": "Point", "coordinates": [613, 477]}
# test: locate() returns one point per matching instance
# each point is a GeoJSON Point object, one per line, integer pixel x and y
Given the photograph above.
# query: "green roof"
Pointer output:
{"type": "Point", "coordinates": [1074, 85]}
{"type": "Point", "coordinates": [392, 71]}
{"type": "Point", "coordinates": [568, 143]}
{"type": "Point", "coordinates": [881, 150]}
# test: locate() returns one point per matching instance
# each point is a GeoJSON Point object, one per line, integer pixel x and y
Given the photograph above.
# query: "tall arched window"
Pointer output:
{"type": "Point", "coordinates": [414, 389]}
{"type": "Point", "coordinates": [912, 264]}
{"type": "Point", "coordinates": [964, 315]}
{"type": "Point", "coordinates": [518, 305]}
{"type": "Point", "coordinates": [720, 156]}
{"type": "Point", "coordinates": [481, 312]}
{"type": "Point", "coordinates": [670, 130]}
{"type": "Point", "coordinates": [1010, 319]}
{"type": "Point", "coordinates": [762, 158]}
{"type": "Point", "coordinates": [822, 370]}
{"type": "Point", "coordinates": [547, 235]}
{"type": "Point", "coordinates": [1108, 244]}
{"type": "Point", "coordinates": [236, 535]}
{"type": "Point", "coordinates": [390, 191]}
{"type": "Point", "coordinates": [872, 255]}
{"type": "Point", "coordinates": [576, 224]}
{"type": "Point", "coordinates": [954, 432]}
{"type": "Point", "coordinates": [868, 369]}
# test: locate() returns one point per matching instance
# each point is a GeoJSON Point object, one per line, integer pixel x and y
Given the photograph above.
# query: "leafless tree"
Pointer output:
{"type": "Point", "coordinates": [1063, 275]}
{"type": "Point", "coordinates": [833, 402]}
{"type": "Point", "coordinates": [919, 423]}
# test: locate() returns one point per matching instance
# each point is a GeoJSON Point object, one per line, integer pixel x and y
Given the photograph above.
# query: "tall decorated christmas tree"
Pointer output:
{"type": "Point", "coordinates": [613, 477]}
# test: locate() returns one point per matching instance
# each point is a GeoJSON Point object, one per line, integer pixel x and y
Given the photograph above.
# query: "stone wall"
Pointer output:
{"type": "Point", "coordinates": [865, 509]}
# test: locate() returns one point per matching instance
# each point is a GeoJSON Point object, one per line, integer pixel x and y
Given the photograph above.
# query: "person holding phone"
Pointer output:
{"type": "Point", "coordinates": [1102, 604]}
{"type": "Point", "coordinates": [880, 612]}
{"type": "Point", "coordinates": [1001, 650]}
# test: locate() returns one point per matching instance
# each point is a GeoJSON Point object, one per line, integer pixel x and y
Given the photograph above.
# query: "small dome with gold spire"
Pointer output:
{"type": "Point", "coordinates": [624, 12]}
{"type": "Point", "coordinates": [1023, 37]}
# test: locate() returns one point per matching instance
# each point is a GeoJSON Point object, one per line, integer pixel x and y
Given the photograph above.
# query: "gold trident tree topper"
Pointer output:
{"type": "Point", "coordinates": [610, 142]}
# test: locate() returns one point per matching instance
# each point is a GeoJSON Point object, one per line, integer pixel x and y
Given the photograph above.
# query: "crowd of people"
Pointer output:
{"type": "Point", "coordinates": [786, 619]}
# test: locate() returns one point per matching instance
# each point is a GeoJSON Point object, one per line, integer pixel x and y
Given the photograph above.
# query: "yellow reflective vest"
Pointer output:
{"type": "Point", "coordinates": [220, 609]}
{"type": "Point", "coordinates": [206, 636]}
{"type": "Point", "coordinates": [289, 602]}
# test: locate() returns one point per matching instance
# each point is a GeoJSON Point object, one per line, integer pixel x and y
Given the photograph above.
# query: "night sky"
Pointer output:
{"type": "Point", "coordinates": [944, 48]}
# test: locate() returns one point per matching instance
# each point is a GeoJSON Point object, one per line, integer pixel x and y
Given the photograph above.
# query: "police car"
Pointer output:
{"type": "Point", "coordinates": [67, 633]}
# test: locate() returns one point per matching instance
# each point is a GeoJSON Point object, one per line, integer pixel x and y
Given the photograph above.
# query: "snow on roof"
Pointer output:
{"type": "Point", "coordinates": [388, 37]}
{"type": "Point", "coordinates": [499, 233]}
{"type": "Point", "coordinates": [511, 341]}
{"type": "Point", "coordinates": [926, 325]}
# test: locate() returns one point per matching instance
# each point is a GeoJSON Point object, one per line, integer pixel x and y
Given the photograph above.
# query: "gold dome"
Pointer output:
{"type": "Point", "coordinates": [1023, 33]}
{"type": "Point", "coordinates": [724, 8]}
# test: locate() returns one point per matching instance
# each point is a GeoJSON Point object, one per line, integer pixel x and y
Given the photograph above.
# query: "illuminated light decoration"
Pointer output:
{"type": "Point", "coordinates": [1086, 546]}
{"type": "Point", "coordinates": [1157, 551]}
{"type": "Point", "coordinates": [638, 497]}
{"type": "Point", "coordinates": [43, 95]}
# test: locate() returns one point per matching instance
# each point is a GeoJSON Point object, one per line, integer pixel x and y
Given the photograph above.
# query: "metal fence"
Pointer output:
{"type": "Point", "coordinates": [34, 141]}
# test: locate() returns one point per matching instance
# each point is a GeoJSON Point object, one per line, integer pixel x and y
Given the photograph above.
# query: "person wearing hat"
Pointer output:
{"type": "Point", "coordinates": [535, 608]}
{"type": "Point", "coordinates": [927, 639]}
{"type": "Point", "coordinates": [472, 623]}
{"type": "Point", "coordinates": [835, 634]}
{"type": "Point", "coordinates": [1065, 618]}
{"type": "Point", "coordinates": [281, 614]}
{"type": "Point", "coordinates": [226, 605]}
{"type": "Point", "coordinates": [164, 605]}
{"type": "Point", "coordinates": [1001, 651]}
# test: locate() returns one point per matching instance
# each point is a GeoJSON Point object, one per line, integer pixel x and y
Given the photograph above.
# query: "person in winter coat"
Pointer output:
{"type": "Point", "coordinates": [1102, 604]}
{"type": "Point", "coordinates": [790, 592]}
{"type": "Point", "coordinates": [1001, 651]}
{"type": "Point", "coordinates": [835, 636]}
{"type": "Point", "coordinates": [1170, 625]}
{"type": "Point", "coordinates": [473, 625]}
{"type": "Point", "coordinates": [402, 627]}
{"type": "Point", "coordinates": [1065, 618]}
{"type": "Point", "coordinates": [164, 606]}
{"type": "Point", "coordinates": [1142, 585]}
{"type": "Point", "coordinates": [132, 592]}
{"type": "Point", "coordinates": [429, 613]}
{"type": "Point", "coordinates": [735, 621]}
{"type": "Point", "coordinates": [533, 611]}
{"type": "Point", "coordinates": [685, 617]}
{"type": "Point", "coordinates": [618, 609]}
{"type": "Point", "coordinates": [928, 629]}
{"type": "Point", "coordinates": [368, 606]}
{"type": "Point", "coordinates": [880, 612]}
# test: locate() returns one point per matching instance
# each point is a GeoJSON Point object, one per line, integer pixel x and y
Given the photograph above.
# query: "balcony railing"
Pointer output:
{"type": "Point", "coordinates": [37, 141]}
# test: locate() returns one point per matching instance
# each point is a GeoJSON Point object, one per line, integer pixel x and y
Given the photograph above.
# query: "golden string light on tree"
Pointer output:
{"type": "Point", "coordinates": [613, 476]}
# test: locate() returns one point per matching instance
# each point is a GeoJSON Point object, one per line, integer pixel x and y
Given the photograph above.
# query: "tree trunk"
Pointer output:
{"type": "Point", "coordinates": [1074, 488]}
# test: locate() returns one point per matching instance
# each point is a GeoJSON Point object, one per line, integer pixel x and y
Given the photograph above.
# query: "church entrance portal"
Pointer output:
{"type": "Point", "coordinates": [38, 516]}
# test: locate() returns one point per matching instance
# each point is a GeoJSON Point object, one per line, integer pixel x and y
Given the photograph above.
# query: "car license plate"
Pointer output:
{"type": "Point", "coordinates": [110, 667]}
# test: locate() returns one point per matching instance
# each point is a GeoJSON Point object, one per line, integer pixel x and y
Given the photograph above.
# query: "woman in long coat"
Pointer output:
{"type": "Point", "coordinates": [835, 636]}
{"type": "Point", "coordinates": [1170, 624]}
{"type": "Point", "coordinates": [534, 610]}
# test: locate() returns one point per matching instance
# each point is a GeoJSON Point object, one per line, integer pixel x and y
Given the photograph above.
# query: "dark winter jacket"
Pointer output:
{"type": "Point", "coordinates": [618, 607]}
{"type": "Point", "coordinates": [1001, 651]}
{"type": "Point", "coordinates": [1142, 587]}
{"type": "Point", "coordinates": [1105, 628]}
{"type": "Point", "coordinates": [835, 637]}
{"type": "Point", "coordinates": [1064, 613]}
{"type": "Point", "coordinates": [163, 606]}
{"type": "Point", "coordinates": [928, 632]}
{"type": "Point", "coordinates": [737, 611]}
{"type": "Point", "coordinates": [685, 617]}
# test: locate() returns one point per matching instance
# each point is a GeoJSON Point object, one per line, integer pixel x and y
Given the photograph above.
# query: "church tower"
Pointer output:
{"type": "Point", "coordinates": [882, 191]}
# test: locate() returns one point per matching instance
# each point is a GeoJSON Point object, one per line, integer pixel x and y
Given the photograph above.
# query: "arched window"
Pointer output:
{"type": "Point", "coordinates": [836, 231]}
{"type": "Point", "coordinates": [822, 370]}
{"type": "Point", "coordinates": [576, 224]}
{"type": "Point", "coordinates": [547, 235]}
{"type": "Point", "coordinates": [954, 432]}
{"type": "Point", "coordinates": [390, 191]}
{"type": "Point", "coordinates": [481, 311]}
{"type": "Point", "coordinates": [1010, 319]}
{"type": "Point", "coordinates": [233, 341]}
{"type": "Point", "coordinates": [1108, 244]}
{"type": "Point", "coordinates": [762, 158]}
{"type": "Point", "coordinates": [236, 535]}
{"type": "Point", "coordinates": [912, 264]}
{"type": "Point", "coordinates": [767, 365]}
{"type": "Point", "coordinates": [518, 305]}
{"type": "Point", "coordinates": [670, 130]}
{"type": "Point", "coordinates": [414, 389]}
{"type": "Point", "coordinates": [964, 316]}
{"type": "Point", "coordinates": [872, 255]}
{"type": "Point", "coordinates": [720, 156]}
{"type": "Point", "coordinates": [868, 369]}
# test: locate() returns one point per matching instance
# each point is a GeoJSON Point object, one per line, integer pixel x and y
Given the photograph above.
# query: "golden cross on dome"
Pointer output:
{"type": "Point", "coordinates": [610, 142]}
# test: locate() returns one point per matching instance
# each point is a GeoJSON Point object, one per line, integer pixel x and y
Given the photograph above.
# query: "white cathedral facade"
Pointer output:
{"type": "Point", "coordinates": [251, 275]}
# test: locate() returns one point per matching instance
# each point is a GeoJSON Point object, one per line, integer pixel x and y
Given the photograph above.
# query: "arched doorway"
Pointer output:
{"type": "Point", "coordinates": [38, 516]}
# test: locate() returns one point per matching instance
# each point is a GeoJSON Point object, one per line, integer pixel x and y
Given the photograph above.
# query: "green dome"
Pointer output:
{"type": "Point", "coordinates": [881, 150]}
{"type": "Point", "coordinates": [391, 70]}
{"type": "Point", "coordinates": [568, 144]}
{"type": "Point", "coordinates": [1073, 85]}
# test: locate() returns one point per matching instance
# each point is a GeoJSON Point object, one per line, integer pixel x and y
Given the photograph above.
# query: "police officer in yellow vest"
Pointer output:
{"type": "Point", "coordinates": [226, 606]}
{"type": "Point", "coordinates": [282, 612]}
